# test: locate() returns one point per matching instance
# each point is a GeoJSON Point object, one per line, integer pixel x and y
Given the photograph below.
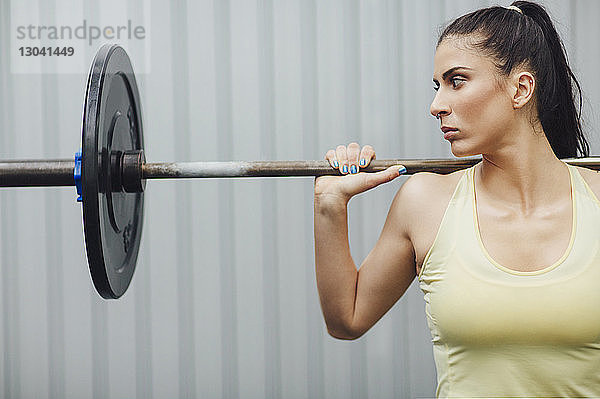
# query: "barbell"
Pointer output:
{"type": "Point", "coordinates": [110, 170]}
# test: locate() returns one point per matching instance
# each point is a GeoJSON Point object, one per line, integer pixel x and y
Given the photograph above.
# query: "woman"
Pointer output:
{"type": "Point", "coordinates": [506, 252]}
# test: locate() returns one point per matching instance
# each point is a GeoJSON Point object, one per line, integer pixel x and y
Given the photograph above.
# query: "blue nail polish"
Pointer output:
{"type": "Point", "coordinates": [335, 164]}
{"type": "Point", "coordinates": [345, 169]}
{"type": "Point", "coordinates": [353, 169]}
{"type": "Point", "coordinates": [400, 171]}
{"type": "Point", "coordinates": [362, 162]}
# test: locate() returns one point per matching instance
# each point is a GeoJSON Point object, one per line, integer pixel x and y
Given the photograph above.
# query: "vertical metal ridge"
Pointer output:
{"type": "Point", "coordinates": [270, 244]}
{"type": "Point", "coordinates": [573, 31]}
{"type": "Point", "coordinates": [183, 210]}
{"type": "Point", "coordinates": [315, 383]}
{"type": "Point", "coordinates": [99, 316]}
{"type": "Point", "coordinates": [393, 68]}
{"type": "Point", "coordinates": [10, 271]}
{"type": "Point", "coordinates": [143, 329]}
{"type": "Point", "coordinates": [55, 306]}
{"type": "Point", "coordinates": [224, 125]}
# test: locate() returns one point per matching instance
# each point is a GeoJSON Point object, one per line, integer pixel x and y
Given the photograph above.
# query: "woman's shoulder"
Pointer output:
{"type": "Point", "coordinates": [426, 184]}
{"type": "Point", "coordinates": [421, 203]}
{"type": "Point", "coordinates": [592, 178]}
{"type": "Point", "coordinates": [425, 194]}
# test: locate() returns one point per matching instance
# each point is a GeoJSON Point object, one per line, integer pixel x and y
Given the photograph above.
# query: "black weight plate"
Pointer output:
{"type": "Point", "coordinates": [112, 218]}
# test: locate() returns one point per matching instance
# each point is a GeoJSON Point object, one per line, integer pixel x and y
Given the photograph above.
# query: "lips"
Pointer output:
{"type": "Point", "coordinates": [447, 129]}
{"type": "Point", "coordinates": [449, 132]}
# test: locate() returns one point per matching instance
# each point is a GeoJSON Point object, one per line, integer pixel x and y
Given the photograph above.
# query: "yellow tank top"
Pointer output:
{"type": "Point", "coordinates": [500, 332]}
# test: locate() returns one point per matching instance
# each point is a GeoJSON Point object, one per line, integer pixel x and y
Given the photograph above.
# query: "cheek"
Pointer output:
{"type": "Point", "coordinates": [482, 107]}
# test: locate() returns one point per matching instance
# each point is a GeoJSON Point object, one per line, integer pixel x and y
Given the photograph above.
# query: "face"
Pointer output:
{"type": "Point", "coordinates": [471, 97]}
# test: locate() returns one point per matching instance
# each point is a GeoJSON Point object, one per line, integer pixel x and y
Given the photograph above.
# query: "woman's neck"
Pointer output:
{"type": "Point", "coordinates": [525, 178]}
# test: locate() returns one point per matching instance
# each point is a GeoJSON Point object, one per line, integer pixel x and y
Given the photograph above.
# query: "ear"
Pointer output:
{"type": "Point", "coordinates": [523, 89]}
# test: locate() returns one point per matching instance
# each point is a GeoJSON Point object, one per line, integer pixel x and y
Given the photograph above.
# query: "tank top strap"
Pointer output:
{"type": "Point", "coordinates": [451, 225]}
{"type": "Point", "coordinates": [582, 188]}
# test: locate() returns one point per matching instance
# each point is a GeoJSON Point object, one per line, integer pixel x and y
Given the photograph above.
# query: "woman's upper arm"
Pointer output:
{"type": "Point", "coordinates": [389, 269]}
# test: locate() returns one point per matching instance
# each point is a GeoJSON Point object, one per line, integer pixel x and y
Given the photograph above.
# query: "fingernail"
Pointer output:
{"type": "Point", "coordinates": [353, 169]}
{"type": "Point", "coordinates": [401, 170]}
{"type": "Point", "coordinates": [345, 169]}
{"type": "Point", "coordinates": [335, 164]}
{"type": "Point", "coordinates": [362, 162]}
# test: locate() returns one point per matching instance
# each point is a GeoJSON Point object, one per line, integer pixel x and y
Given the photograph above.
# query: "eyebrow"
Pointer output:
{"type": "Point", "coordinates": [449, 71]}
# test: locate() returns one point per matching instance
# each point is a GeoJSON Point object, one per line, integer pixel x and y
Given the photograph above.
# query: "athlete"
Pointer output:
{"type": "Point", "coordinates": [507, 252]}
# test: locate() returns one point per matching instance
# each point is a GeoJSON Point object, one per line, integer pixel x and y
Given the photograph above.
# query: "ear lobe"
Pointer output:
{"type": "Point", "coordinates": [524, 90]}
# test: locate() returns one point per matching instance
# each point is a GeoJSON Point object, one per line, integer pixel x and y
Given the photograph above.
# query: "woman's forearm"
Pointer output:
{"type": "Point", "coordinates": [336, 271]}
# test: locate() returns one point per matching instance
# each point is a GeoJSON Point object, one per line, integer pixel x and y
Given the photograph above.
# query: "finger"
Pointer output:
{"type": "Point", "coordinates": [353, 153]}
{"type": "Point", "coordinates": [366, 154]}
{"type": "Point", "coordinates": [342, 157]}
{"type": "Point", "coordinates": [386, 175]}
{"type": "Point", "coordinates": [330, 156]}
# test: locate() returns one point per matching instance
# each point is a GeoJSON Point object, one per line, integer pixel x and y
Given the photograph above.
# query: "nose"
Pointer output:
{"type": "Point", "coordinates": [438, 108]}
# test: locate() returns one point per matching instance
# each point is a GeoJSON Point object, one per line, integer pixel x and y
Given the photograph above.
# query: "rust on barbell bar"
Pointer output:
{"type": "Point", "coordinates": [37, 173]}
{"type": "Point", "coordinates": [182, 170]}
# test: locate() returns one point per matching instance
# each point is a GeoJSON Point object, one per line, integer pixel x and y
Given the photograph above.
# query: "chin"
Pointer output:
{"type": "Point", "coordinates": [459, 152]}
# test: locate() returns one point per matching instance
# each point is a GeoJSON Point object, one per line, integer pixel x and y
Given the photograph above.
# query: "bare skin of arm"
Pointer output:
{"type": "Point", "coordinates": [353, 300]}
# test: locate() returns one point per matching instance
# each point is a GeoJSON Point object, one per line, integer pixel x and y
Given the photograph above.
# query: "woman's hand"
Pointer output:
{"type": "Point", "coordinates": [349, 160]}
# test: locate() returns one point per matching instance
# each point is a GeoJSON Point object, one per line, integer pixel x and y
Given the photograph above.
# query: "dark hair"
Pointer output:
{"type": "Point", "coordinates": [529, 39]}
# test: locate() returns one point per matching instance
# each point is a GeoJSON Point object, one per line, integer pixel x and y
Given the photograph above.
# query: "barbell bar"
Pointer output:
{"type": "Point", "coordinates": [110, 170]}
{"type": "Point", "coordinates": [60, 172]}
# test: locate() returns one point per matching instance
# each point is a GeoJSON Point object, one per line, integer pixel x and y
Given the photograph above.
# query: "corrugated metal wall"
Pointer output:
{"type": "Point", "coordinates": [224, 300]}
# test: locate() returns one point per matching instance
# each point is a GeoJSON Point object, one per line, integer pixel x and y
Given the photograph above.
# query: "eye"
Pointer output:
{"type": "Point", "coordinates": [456, 79]}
